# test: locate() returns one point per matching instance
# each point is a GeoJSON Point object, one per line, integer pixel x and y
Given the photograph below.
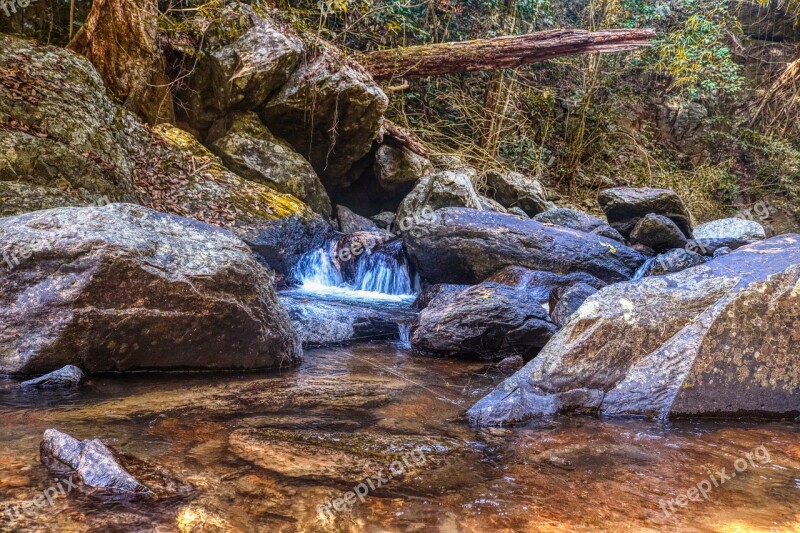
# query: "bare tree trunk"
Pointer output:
{"type": "Point", "coordinates": [120, 38]}
{"type": "Point", "coordinates": [499, 53]}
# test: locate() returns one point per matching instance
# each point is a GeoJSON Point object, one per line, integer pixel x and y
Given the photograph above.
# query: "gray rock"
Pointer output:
{"type": "Point", "coordinates": [708, 247]}
{"type": "Point", "coordinates": [437, 295]}
{"type": "Point", "coordinates": [571, 218]}
{"type": "Point", "coordinates": [384, 220]}
{"type": "Point", "coordinates": [731, 228]}
{"type": "Point", "coordinates": [488, 204]}
{"type": "Point", "coordinates": [675, 261]}
{"type": "Point", "coordinates": [509, 365]}
{"type": "Point", "coordinates": [122, 287]}
{"type": "Point", "coordinates": [568, 303]}
{"type": "Point", "coordinates": [350, 222]}
{"type": "Point", "coordinates": [487, 321]}
{"type": "Point", "coordinates": [95, 465]}
{"type": "Point", "coordinates": [624, 207]}
{"type": "Point", "coordinates": [246, 58]}
{"type": "Point", "coordinates": [513, 189]}
{"type": "Point", "coordinates": [398, 168]}
{"type": "Point", "coordinates": [722, 251]}
{"type": "Point", "coordinates": [456, 245]}
{"type": "Point", "coordinates": [719, 339]}
{"type": "Point", "coordinates": [69, 376]}
{"type": "Point", "coordinates": [517, 211]}
{"type": "Point", "coordinates": [339, 128]}
{"type": "Point", "coordinates": [443, 189]}
{"type": "Point", "coordinates": [658, 233]}
{"type": "Point", "coordinates": [539, 285]}
{"type": "Point", "coordinates": [250, 150]}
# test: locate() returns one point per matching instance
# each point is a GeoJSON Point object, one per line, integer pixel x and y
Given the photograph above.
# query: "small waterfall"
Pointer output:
{"type": "Point", "coordinates": [645, 269]}
{"type": "Point", "coordinates": [405, 335]}
{"type": "Point", "coordinates": [384, 270]}
{"type": "Point", "coordinates": [317, 268]}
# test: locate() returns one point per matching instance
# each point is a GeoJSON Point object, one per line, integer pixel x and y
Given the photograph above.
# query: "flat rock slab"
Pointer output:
{"type": "Point", "coordinates": [340, 456]}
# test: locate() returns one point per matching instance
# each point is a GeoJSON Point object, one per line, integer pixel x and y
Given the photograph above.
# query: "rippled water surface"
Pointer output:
{"type": "Point", "coordinates": [568, 474]}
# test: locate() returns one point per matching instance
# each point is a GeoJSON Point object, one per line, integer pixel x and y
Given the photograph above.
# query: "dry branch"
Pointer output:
{"type": "Point", "coordinates": [501, 52]}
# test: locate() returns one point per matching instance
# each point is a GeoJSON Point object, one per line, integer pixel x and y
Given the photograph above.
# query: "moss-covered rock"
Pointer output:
{"type": "Point", "coordinates": [250, 150]}
{"type": "Point", "coordinates": [330, 110]}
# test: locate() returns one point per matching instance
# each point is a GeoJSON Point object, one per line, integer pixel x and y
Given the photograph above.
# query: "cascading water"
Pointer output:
{"type": "Point", "coordinates": [645, 269]}
{"type": "Point", "coordinates": [337, 301]}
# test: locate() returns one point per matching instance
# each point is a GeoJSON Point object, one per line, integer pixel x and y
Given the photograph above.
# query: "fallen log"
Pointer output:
{"type": "Point", "coordinates": [501, 52]}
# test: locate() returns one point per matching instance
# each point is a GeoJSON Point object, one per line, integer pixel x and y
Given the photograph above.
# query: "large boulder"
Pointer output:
{"type": "Point", "coordinates": [443, 189]}
{"type": "Point", "coordinates": [398, 168]}
{"type": "Point", "coordinates": [719, 339]}
{"type": "Point", "coordinates": [731, 228]}
{"type": "Point", "coordinates": [57, 149]}
{"type": "Point", "coordinates": [658, 233]}
{"type": "Point", "coordinates": [488, 321]}
{"type": "Point", "coordinates": [250, 150]}
{"type": "Point", "coordinates": [625, 206]}
{"type": "Point", "coordinates": [513, 189]}
{"type": "Point", "coordinates": [457, 245]}
{"type": "Point", "coordinates": [331, 111]}
{"type": "Point", "coordinates": [122, 287]}
{"type": "Point", "coordinates": [572, 218]}
{"type": "Point", "coordinates": [245, 58]}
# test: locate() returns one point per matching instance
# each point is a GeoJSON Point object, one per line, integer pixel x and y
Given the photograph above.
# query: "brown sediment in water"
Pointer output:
{"type": "Point", "coordinates": [566, 474]}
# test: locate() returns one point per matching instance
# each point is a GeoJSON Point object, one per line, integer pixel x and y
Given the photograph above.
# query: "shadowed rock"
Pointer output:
{"type": "Point", "coordinates": [624, 207]}
{"type": "Point", "coordinates": [570, 299]}
{"type": "Point", "coordinates": [512, 189]}
{"type": "Point", "coordinates": [719, 339]}
{"type": "Point", "coordinates": [658, 233]}
{"type": "Point", "coordinates": [456, 245]}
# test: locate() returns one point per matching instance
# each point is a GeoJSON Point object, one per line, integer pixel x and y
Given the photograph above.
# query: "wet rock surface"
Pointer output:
{"type": "Point", "coordinates": [466, 246]}
{"type": "Point", "coordinates": [675, 260]}
{"type": "Point", "coordinates": [123, 287]}
{"type": "Point", "coordinates": [487, 321]}
{"type": "Point", "coordinates": [624, 207]}
{"type": "Point", "coordinates": [567, 303]}
{"type": "Point", "coordinates": [67, 377]}
{"type": "Point", "coordinates": [350, 222]}
{"type": "Point", "coordinates": [572, 218]}
{"type": "Point", "coordinates": [718, 339]}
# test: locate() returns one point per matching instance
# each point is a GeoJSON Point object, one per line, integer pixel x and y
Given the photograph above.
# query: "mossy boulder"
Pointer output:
{"type": "Point", "coordinates": [245, 57]}
{"type": "Point", "coordinates": [331, 111]}
{"type": "Point", "coordinates": [250, 150]}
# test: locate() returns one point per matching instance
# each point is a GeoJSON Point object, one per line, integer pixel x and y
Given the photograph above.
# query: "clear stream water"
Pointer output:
{"type": "Point", "coordinates": [565, 474]}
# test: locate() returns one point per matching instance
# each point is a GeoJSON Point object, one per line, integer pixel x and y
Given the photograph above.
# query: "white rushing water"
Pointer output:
{"type": "Point", "coordinates": [381, 274]}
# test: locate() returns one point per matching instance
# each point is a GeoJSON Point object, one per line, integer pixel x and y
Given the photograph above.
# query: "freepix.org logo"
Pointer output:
{"type": "Point", "coordinates": [9, 7]}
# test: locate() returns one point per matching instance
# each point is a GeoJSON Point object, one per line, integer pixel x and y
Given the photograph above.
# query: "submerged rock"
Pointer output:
{"type": "Point", "coordinates": [512, 189]}
{"type": "Point", "coordinates": [571, 218]}
{"type": "Point", "coordinates": [251, 151]}
{"type": "Point", "coordinates": [95, 465]}
{"type": "Point", "coordinates": [487, 321]}
{"type": "Point", "coordinates": [122, 287]}
{"type": "Point", "coordinates": [624, 207]}
{"type": "Point", "coordinates": [719, 339]}
{"type": "Point", "coordinates": [69, 376]}
{"type": "Point", "coordinates": [331, 111]}
{"type": "Point", "coordinates": [350, 457]}
{"type": "Point", "coordinates": [658, 233]}
{"type": "Point", "coordinates": [465, 246]}
{"type": "Point", "coordinates": [731, 228]}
